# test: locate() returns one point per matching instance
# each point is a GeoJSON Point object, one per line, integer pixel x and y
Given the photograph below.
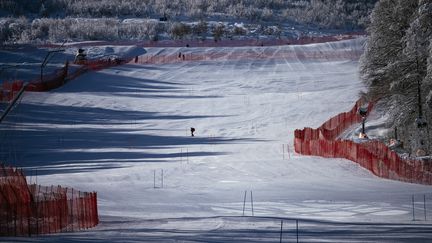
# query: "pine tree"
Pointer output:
{"type": "Point", "coordinates": [397, 65]}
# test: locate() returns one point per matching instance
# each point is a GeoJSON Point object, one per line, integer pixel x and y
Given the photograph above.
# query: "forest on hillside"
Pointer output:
{"type": "Point", "coordinates": [397, 69]}
{"type": "Point", "coordinates": [23, 21]}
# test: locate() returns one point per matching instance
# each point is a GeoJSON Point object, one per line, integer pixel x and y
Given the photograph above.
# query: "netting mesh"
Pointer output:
{"type": "Point", "coordinates": [27, 210]}
{"type": "Point", "coordinates": [373, 155]}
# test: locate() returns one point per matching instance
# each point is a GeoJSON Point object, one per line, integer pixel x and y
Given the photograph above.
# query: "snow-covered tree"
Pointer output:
{"type": "Point", "coordinates": [396, 66]}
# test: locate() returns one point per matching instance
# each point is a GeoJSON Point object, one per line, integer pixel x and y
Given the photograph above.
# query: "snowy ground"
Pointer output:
{"type": "Point", "coordinates": [112, 131]}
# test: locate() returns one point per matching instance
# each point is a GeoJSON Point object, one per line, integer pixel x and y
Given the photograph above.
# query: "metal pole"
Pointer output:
{"type": "Point", "coordinates": [280, 237]}
{"type": "Point", "coordinates": [413, 207]}
{"type": "Point", "coordinates": [13, 102]}
{"type": "Point", "coordinates": [154, 178]}
{"type": "Point", "coordinates": [424, 205]}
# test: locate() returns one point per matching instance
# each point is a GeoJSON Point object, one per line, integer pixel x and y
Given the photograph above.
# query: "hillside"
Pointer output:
{"type": "Point", "coordinates": [121, 130]}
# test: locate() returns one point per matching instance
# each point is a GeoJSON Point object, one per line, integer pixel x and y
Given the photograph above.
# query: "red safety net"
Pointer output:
{"type": "Point", "coordinates": [302, 40]}
{"type": "Point", "coordinates": [27, 210]}
{"type": "Point", "coordinates": [372, 155]}
{"type": "Point", "coordinates": [9, 90]}
{"type": "Point", "coordinates": [100, 64]}
{"type": "Point", "coordinates": [49, 82]}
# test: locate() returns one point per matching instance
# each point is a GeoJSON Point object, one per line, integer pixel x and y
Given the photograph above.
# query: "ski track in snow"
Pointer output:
{"type": "Point", "coordinates": [111, 131]}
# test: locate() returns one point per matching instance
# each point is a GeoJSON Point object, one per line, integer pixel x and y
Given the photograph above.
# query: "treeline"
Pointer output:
{"type": "Point", "coordinates": [328, 13]}
{"type": "Point", "coordinates": [397, 67]}
{"type": "Point", "coordinates": [24, 17]}
{"type": "Point", "coordinates": [21, 30]}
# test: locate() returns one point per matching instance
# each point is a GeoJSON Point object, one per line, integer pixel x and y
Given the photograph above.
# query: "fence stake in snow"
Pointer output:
{"type": "Point", "coordinates": [244, 203]}
{"type": "Point", "coordinates": [288, 151]}
{"type": "Point", "coordinates": [424, 205]}
{"type": "Point", "coordinates": [162, 178]}
{"type": "Point", "coordinates": [413, 207]}
{"type": "Point", "coordinates": [283, 151]}
{"type": "Point", "coordinates": [252, 203]}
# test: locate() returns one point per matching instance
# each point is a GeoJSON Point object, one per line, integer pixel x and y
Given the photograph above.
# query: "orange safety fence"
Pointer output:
{"type": "Point", "coordinates": [58, 78]}
{"type": "Point", "coordinates": [28, 210]}
{"type": "Point", "coordinates": [373, 155]}
{"type": "Point", "coordinates": [9, 90]}
{"type": "Point", "coordinates": [301, 40]}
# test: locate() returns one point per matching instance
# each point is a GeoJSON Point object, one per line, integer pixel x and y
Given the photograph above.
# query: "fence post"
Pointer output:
{"type": "Point", "coordinates": [413, 207]}
{"type": "Point", "coordinates": [37, 189]}
{"type": "Point", "coordinates": [48, 210]}
{"type": "Point", "coordinates": [96, 208]}
{"type": "Point", "coordinates": [424, 205]}
{"type": "Point", "coordinates": [297, 232]}
{"type": "Point", "coordinates": [86, 208]}
{"type": "Point", "coordinates": [72, 205]}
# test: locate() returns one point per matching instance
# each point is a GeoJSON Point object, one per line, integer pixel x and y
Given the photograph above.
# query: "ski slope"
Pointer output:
{"type": "Point", "coordinates": [117, 130]}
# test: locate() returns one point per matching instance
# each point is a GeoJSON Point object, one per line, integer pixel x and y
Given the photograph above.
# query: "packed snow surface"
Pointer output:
{"type": "Point", "coordinates": [119, 130]}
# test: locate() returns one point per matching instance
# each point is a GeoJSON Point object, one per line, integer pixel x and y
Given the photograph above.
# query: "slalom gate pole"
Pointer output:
{"type": "Point", "coordinates": [244, 203]}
